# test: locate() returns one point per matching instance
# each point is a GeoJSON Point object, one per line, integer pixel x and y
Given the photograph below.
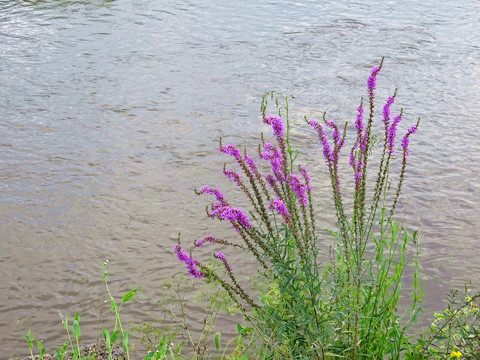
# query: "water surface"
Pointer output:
{"type": "Point", "coordinates": [111, 112]}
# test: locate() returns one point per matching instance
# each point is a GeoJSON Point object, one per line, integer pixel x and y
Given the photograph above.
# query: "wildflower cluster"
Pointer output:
{"type": "Point", "coordinates": [277, 194]}
{"type": "Point", "coordinates": [279, 231]}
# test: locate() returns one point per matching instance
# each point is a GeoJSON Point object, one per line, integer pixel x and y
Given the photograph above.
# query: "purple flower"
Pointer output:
{"type": "Point", "coordinates": [356, 159]}
{"type": "Point", "coordinates": [236, 216]}
{"type": "Point", "coordinates": [274, 155]}
{"type": "Point", "coordinates": [223, 211]}
{"type": "Point", "coordinates": [299, 188]}
{"type": "Point", "coordinates": [304, 172]}
{"type": "Point", "coordinates": [359, 121]}
{"type": "Point", "coordinates": [392, 133]}
{"type": "Point", "coordinates": [405, 143]}
{"type": "Point", "coordinates": [191, 262]}
{"type": "Point", "coordinates": [223, 259]}
{"type": "Point", "coordinates": [352, 158]}
{"type": "Point", "coordinates": [357, 166]}
{"type": "Point", "coordinates": [336, 134]}
{"type": "Point", "coordinates": [386, 110]}
{"type": "Point", "coordinates": [323, 139]}
{"type": "Point", "coordinates": [213, 191]}
{"type": "Point", "coordinates": [330, 155]}
{"type": "Point", "coordinates": [372, 79]}
{"type": "Point", "coordinates": [251, 163]}
{"type": "Point", "coordinates": [279, 207]}
{"type": "Point", "coordinates": [231, 150]}
{"type": "Point", "coordinates": [209, 238]}
{"type": "Point", "coordinates": [406, 140]}
{"type": "Point", "coordinates": [235, 176]}
{"type": "Point", "coordinates": [271, 180]}
{"type": "Point", "coordinates": [277, 125]}
{"type": "Point", "coordinates": [358, 177]}
{"type": "Point", "coordinates": [363, 142]}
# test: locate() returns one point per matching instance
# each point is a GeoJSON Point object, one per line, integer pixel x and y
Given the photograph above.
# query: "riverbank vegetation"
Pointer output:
{"type": "Point", "coordinates": [354, 295]}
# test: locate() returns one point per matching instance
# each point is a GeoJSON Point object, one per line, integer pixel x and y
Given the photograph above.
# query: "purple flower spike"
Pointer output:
{"type": "Point", "coordinates": [299, 188]}
{"type": "Point", "coordinates": [223, 259]}
{"type": "Point", "coordinates": [271, 180]}
{"type": "Point", "coordinates": [234, 215]}
{"type": "Point", "coordinates": [359, 121]}
{"type": "Point", "coordinates": [352, 158]}
{"type": "Point", "coordinates": [405, 143]}
{"type": "Point", "coordinates": [392, 133]}
{"type": "Point", "coordinates": [406, 140]}
{"type": "Point", "coordinates": [386, 110]}
{"type": "Point", "coordinates": [233, 175]}
{"type": "Point", "coordinates": [358, 178]}
{"type": "Point", "coordinates": [304, 172]}
{"type": "Point", "coordinates": [363, 142]}
{"type": "Point", "coordinates": [213, 191]}
{"type": "Point", "coordinates": [251, 163]}
{"type": "Point", "coordinates": [223, 211]}
{"type": "Point", "coordinates": [336, 134]}
{"type": "Point", "coordinates": [279, 206]}
{"type": "Point", "coordinates": [231, 150]}
{"type": "Point", "coordinates": [372, 80]}
{"type": "Point", "coordinates": [358, 169]}
{"type": "Point", "coordinates": [330, 155]}
{"type": "Point", "coordinates": [209, 238]}
{"type": "Point", "coordinates": [191, 262]}
{"type": "Point", "coordinates": [277, 124]}
{"type": "Point", "coordinates": [274, 155]}
{"type": "Point", "coordinates": [323, 139]}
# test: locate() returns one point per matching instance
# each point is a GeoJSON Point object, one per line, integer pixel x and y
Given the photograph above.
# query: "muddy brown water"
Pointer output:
{"type": "Point", "coordinates": [110, 113]}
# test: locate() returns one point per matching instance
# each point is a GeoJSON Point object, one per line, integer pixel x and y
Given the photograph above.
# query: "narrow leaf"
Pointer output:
{"type": "Point", "coordinates": [125, 341]}
{"type": "Point", "coordinates": [128, 296]}
{"type": "Point", "coordinates": [76, 329]}
{"type": "Point", "coordinates": [113, 338]}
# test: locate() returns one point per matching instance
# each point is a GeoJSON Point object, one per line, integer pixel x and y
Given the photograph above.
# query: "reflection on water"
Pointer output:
{"type": "Point", "coordinates": [110, 113]}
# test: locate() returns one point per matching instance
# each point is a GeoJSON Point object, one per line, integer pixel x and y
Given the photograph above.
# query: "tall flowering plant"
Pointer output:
{"type": "Point", "coordinates": [305, 308]}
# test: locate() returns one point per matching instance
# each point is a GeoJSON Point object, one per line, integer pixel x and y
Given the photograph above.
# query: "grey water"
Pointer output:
{"type": "Point", "coordinates": [111, 111]}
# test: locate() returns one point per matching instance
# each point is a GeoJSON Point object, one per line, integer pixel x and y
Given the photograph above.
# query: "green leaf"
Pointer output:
{"type": "Point", "coordinates": [76, 327]}
{"type": "Point", "coordinates": [162, 342]}
{"type": "Point", "coordinates": [106, 336]}
{"type": "Point", "coordinates": [245, 330]}
{"type": "Point", "coordinates": [113, 338]}
{"type": "Point", "coordinates": [113, 304]}
{"type": "Point", "coordinates": [125, 341]}
{"type": "Point", "coordinates": [128, 296]}
{"type": "Point", "coordinates": [149, 356]}
{"type": "Point", "coordinates": [27, 337]}
{"type": "Point", "coordinates": [162, 352]}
